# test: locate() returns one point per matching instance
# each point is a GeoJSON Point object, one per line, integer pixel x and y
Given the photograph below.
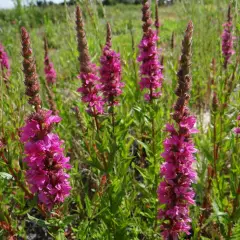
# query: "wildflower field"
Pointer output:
{"type": "Point", "coordinates": [120, 122]}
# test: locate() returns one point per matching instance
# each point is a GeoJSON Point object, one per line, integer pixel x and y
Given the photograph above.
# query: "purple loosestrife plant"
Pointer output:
{"type": "Point", "coordinates": [4, 62]}
{"type": "Point", "coordinates": [157, 22]}
{"type": "Point", "coordinates": [49, 70]}
{"type": "Point", "coordinates": [4, 65]}
{"type": "Point", "coordinates": [227, 40]}
{"type": "Point", "coordinates": [237, 129]}
{"type": "Point", "coordinates": [88, 71]}
{"type": "Point", "coordinates": [110, 72]}
{"type": "Point", "coordinates": [150, 69]}
{"type": "Point", "coordinates": [175, 191]}
{"type": "Point", "coordinates": [50, 74]}
{"type": "Point", "coordinates": [43, 149]}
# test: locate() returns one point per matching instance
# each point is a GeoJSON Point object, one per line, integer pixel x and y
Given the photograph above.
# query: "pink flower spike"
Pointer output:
{"type": "Point", "coordinates": [45, 159]}
{"type": "Point", "coordinates": [110, 72]}
{"type": "Point", "coordinates": [175, 190]}
{"type": "Point", "coordinates": [88, 72]}
{"type": "Point", "coordinates": [227, 40]}
{"type": "Point", "coordinates": [151, 71]}
{"type": "Point", "coordinates": [49, 70]}
{"type": "Point", "coordinates": [4, 62]}
{"type": "Point", "coordinates": [237, 129]}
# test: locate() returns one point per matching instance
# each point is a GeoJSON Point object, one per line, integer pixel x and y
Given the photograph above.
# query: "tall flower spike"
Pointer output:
{"type": "Point", "coordinates": [175, 190]}
{"type": "Point", "coordinates": [4, 62]}
{"type": "Point", "coordinates": [4, 65]}
{"type": "Point", "coordinates": [157, 22]}
{"type": "Point", "coordinates": [150, 69]}
{"type": "Point", "coordinates": [50, 75]}
{"type": "Point", "coordinates": [88, 71]}
{"type": "Point", "coordinates": [43, 149]}
{"type": "Point", "coordinates": [215, 102]}
{"type": "Point", "coordinates": [49, 70]}
{"type": "Point", "coordinates": [237, 129]}
{"type": "Point", "coordinates": [109, 36]}
{"type": "Point", "coordinates": [29, 70]}
{"type": "Point", "coordinates": [227, 40]}
{"type": "Point", "coordinates": [110, 72]}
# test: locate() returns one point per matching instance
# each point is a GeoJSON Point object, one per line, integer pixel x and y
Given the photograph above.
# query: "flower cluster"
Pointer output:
{"type": "Point", "coordinates": [237, 130]}
{"type": "Point", "coordinates": [4, 66]}
{"type": "Point", "coordinates": [227, 39]}
{"type": "Point", "coordinates": [45, 159]}
{"type": "Point", "coordinates": [4, 62]}
{"type": "Point", "coordinates": [178, 174]}
{"type": "Point", "coordinates": [150, 69]}
{"type": "Point", "coordinates": [90, 90]}
{"type": "Point", "coordinates": [175, 191]}
{"type": "Point", "coordinates": [49, 70]}
{"type": "Point", "coordinates": [110, 72]}
{"type": "Point", "coordinates": [88, 72]}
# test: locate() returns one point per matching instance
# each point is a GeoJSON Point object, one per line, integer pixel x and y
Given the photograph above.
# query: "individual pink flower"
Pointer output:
{"type": "Point", "coordinates": [227, 40]}
{"type": "Point", "coordinates": [49, 70]}
{"type": "Point", "coordinates": [150, 69]}
{"type": "Point", "coordinates": [45, 159]}
{"type": "Point", "coordinates": [110, 72]}
{"type": "Point", "coordinates": [175, 191]}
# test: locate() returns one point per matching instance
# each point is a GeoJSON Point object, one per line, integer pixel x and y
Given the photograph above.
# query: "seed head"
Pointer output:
{"type": "Point", "coordinates": [29, 70]}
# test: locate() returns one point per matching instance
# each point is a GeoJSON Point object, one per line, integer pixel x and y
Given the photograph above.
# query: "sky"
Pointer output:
{"type": "Point", "coordinates": [9, 3]}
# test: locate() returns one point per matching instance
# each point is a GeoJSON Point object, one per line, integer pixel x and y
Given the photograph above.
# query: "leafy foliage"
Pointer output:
{"type": "Point", "coordinates": [115, 174]}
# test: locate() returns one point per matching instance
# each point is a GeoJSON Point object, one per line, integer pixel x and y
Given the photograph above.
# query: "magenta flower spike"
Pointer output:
{"type": "Point", "coordinates": [49, 70]}
{"type": "Point", "coordinates": [157, 22]}
{"type": "Point", "coordinates": [237, 129]}
{"type": "Point", "coordinates": [4, 65]}
{"type": "Point", "coordinates": [45, 159]}
{"type": "Point", "coordinates": [43, 149]}
{"type": "Point", "coordinates": [4, 62]}
{"type": "Point", "coordinates": [110, 72]}
{"type": "Point", "coordinates": [150, 69]}
{"type": "Point", "coordinates": [90, 88]}
{"type": "Point", "coordinates": [175, 191]}
{"type": "Point", "coordinates": [227, 40]}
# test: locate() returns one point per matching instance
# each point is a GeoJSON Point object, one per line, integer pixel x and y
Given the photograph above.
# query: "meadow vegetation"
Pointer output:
{"type": "Point", "coordinates": [115, 167]}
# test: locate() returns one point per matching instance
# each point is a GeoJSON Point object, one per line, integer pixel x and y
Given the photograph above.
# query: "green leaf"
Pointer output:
{"type": "Point", "coordinates": [68, 219]}
{"type": "Point", "coordinates": [60, 235]}
{"type": "Point", "coordinates": [236, 232]}
{"type": "Point", "coordinates": [88, 206]}
{"type": "Point", "coordinates": [39, 222]}
{"type": "Point", "coordinates": [5, 175]}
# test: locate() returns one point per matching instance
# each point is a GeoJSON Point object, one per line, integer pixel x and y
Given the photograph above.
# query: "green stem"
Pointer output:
{"type": "Point", "coordinates": [154, 165]}
{"type": "Point", "coordinates": [236, 200]}
{"type": "Point", "coordinates": [113, 118]}
{"type": "Point", "coordinates": [216, 148]}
